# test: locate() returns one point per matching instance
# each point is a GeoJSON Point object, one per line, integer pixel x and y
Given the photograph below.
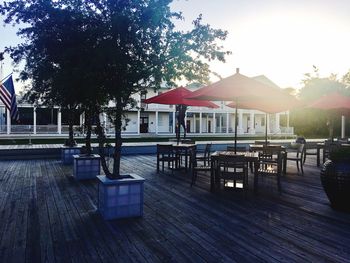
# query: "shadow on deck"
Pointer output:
{"type": "Point", "coordinates": [47, 216]}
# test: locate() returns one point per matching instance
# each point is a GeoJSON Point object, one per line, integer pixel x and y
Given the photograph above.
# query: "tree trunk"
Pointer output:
{"type": "Point", "coordinates": [70, 142]}
{"type": "Point", "coordinates": [101, 140]}
{"type": "Point", "coordinates": [118, 139]}
{"type": "Point", "coordinates": [88, 124]}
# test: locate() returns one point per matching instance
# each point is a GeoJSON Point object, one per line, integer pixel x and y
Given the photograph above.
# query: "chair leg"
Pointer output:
{"type": "Point", "coordinates": [194, 177]}
{"type": "Point", "coordinates": [297, 165]}
{"type": "Point", "coordinates": [302, 169]}
{"type": "Point", "coordinates": [304, 158]}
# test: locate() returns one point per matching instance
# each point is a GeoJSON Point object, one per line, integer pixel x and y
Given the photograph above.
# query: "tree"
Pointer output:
{"type": "Point", "coordinates": [311, 122]}
{"type": "Point", "coordinates": [135, 46]}
{"type": "Point", "coordinates": [58, 54]}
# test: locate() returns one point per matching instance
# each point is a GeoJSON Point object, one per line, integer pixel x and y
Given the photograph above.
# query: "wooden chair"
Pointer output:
{"type": "Point", "coordinates": [166, 154]}
{"type": "Point", "coordinates": [270, 164]}
{"type": "Point", "coordinates": [310, 148]}
{"type": "Point", "coordinates": [329, 146]}
{"type": "Point", "coordinates": [197, 168]}
{"type": "Point", "coordinates": [234, 169]}
{"type": "Point", "coordinates": [205, 155]}
{"type": "Point", "coordinates": [297, 155]}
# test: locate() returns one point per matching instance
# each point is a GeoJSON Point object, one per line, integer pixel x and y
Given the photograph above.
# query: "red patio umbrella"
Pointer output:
{"type": "Point", "coordinates": [178, 97]}
{"type": "Point", "coordinates": [281, 102]}
{"type": "Point", "coordinates": [332, 102]}
{"type": "Point", "coordinates": [242, 90]}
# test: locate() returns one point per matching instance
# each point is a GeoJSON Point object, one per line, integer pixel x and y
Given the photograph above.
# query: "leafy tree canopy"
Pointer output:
{"type": "Point", "coordinates": [113, 48]}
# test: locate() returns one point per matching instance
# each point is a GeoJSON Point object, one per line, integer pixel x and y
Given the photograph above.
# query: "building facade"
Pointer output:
{"type": "Point", "coordinates": [149, 120]}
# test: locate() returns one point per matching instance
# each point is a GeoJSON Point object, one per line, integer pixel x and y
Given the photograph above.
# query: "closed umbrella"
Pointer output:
{"type": "Point", "coordinates": [241, 90]}
{"type": "Point", "coordinates": [179, 98]}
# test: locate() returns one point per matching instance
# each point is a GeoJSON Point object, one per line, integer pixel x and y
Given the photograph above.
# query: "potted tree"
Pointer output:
{"type": "Point", "coordinates": [147, 51]}
{"type": "Point", "coordinates": [130, 46]}
{"type": "Point", "coordinates": [335, 178]}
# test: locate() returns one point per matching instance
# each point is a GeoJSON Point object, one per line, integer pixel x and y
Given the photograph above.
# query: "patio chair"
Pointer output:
{"type": "Point", "coordinates": [270, 164]}
{"type": "Point", "coordinates": [296, 153]}
{"type": "Point", "coordinates": [233, 170]}
{"type": "Point", "coordinates": [329, 146]}
{"type": "Point", "coordinates": [197, 168]}
{"type": "Point", "coordinates": [310, 148]}
{"type": "Point", "coordinates": [205, 155]}
{"type": "Point", "coordinates": [166, 154]}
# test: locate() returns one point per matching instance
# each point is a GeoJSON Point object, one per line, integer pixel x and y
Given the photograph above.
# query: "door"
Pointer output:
{"type": "Point", "coordinates": [143, 124]}
{"type": "Point", "coordinates": [188, 126]}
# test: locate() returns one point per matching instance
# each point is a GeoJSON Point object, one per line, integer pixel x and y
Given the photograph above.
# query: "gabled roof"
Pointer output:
{"type": "Point", "coordinates": [266, 81]}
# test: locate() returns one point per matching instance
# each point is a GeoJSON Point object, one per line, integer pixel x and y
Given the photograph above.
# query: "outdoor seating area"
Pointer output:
{"type": "Point", "coordinates": [41, 201]}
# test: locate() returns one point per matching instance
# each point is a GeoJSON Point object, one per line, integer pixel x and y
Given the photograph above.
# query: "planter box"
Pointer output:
{"type": "Point", "coordinates": [86, 166]}
{"type": "Point", "coordinates": [67, 154]}
{"type": "Point", "coordinates": [120, 198]}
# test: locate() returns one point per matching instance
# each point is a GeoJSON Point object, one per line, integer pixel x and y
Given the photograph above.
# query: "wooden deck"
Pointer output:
{"type": "Point", "coordinates": [46, 216]}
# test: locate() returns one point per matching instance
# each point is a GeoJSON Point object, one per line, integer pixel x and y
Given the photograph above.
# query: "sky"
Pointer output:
{"type": "Point", "coordinates": [279, 39]}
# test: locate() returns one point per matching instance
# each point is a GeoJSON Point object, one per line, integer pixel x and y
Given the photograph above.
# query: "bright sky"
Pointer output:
{"type": "Point", "coordinates": [279, 39]}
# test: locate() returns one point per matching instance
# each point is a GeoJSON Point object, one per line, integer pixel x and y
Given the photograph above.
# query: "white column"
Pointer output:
{"type": "Point", "coordinates": [214, 123]}
{"type": "Point", "coordinates": [34, 120]}
{"type": "Point", "coordinates": [343, 126]}
{"type": "Point", "coordinates": [267, 123]}
{"type": "Point", "coordinates": [227, 122]}
{"type": "Point", "coordinates": [8, 122]}
{"type": "Point", "coordinates": [174, 122]}
{"type": "Point", "coordinates": [252, 129]}
{"type": "Point", "coordinates": [138, 121]}
{"type": "Point", "coordinates": [59, 121]}
{"type": "Point", "coordinates": [240, 122]}
{"type": "Point", "coordinates": [277, 123]}
{"type": "Point", "coordinates": [104, 119]}
{"type": "Point", "coordinates": [206, 124]}
{"type": "Point", "coordinates": [194, 122]}
{"type": "Point", "coordinates": [157, 122]}
{"type": "Point", "coordinates": [200, 122]}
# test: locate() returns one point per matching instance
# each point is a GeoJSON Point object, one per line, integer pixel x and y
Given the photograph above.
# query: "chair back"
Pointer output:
{"type": "Point", "coordinates": [165, 149]}
{"type": "Point", "coordinates": [232, 165]}
{"type": "Point", "coordinates": [207, 150]}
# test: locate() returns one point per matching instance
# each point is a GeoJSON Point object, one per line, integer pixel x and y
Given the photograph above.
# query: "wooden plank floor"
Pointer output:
{"type": "Point", "coordinates": [46, 216]}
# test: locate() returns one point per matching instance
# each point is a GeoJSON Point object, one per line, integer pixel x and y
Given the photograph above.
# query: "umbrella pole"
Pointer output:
{"type": "Point", "coordinates": [265, 129]}
{"type": "Point", "coordinates": [236, 120]}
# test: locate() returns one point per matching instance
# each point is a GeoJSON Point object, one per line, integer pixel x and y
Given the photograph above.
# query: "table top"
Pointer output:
{"type": "Point", "coordinates": [248, 155]}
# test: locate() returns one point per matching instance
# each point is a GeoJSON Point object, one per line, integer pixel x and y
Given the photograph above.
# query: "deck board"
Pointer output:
{"type": "Point", "coordinates": [47, 216]}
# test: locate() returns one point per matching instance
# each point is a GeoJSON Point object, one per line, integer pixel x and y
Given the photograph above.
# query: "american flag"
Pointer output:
{"type": "Point", "coordinates": [8, 97]}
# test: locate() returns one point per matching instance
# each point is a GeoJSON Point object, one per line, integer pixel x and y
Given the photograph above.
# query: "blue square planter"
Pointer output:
{"type": "Point", "coordinates": [86, 166]}
{"type": "Point", "coordinates": [120, 198]}
{"type": "Point", "coordinates": [67, 154]}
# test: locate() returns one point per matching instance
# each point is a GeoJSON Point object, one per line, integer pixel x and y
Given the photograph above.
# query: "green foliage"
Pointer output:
{"type": "Point", "coordinates": [88, 52]}
{"type": "Point", "coordinates": [318, 123]}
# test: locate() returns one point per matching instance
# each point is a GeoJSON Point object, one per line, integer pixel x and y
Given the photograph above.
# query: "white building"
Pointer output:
{"type": "Point", "coordinates": [151, 120]}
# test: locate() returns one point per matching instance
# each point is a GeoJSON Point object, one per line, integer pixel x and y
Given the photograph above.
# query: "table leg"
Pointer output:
{"type": "Point", "coordinates": [212, 177]}
{"type": "Point", "coordinates": [256, 168]}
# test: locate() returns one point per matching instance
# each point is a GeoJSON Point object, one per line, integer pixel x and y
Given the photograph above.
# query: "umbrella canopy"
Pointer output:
{"type": "Point", "coordinates": [333, 102]}
{"type": "Point", "coordinates": [179, 96]}
{"type": "Point", "coordinates": [279, 103]}
{"type": "Point", "coordinates": [244, 91]}
{"type": "Point", "coordinates": [235, 88]}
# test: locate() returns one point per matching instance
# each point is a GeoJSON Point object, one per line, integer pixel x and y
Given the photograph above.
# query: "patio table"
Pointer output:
{"type": "Point", "coordinates": [184, 148]}
{"type": "Point", "coordinates": [217, 156]}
